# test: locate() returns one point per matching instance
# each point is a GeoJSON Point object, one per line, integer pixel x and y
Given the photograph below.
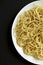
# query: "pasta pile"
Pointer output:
{"type": "Point", "coordinates": [29, 32]}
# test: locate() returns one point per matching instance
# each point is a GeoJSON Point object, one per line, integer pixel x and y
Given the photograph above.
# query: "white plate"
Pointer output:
{"type": "Point", "coordinates": [19, 49]}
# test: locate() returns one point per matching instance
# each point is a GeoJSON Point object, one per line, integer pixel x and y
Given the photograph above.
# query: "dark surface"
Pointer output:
{"type": "Point", "coordinates": [8, 11]}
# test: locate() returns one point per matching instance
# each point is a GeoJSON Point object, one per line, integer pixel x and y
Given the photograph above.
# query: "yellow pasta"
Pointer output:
{"type": "Point", "coordinates": [29, 32]}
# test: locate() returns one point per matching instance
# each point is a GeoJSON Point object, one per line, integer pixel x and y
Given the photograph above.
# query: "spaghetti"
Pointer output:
{"type": "Point", "coordinates": [29, 32]}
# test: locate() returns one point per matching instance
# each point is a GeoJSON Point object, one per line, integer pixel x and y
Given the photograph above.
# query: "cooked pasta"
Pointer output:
{"type": "Point", "coordinates": [29, 32]}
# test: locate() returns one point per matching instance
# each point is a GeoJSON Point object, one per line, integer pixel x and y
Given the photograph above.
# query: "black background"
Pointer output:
{"type": "Point", "coordinates": [8, 11]}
